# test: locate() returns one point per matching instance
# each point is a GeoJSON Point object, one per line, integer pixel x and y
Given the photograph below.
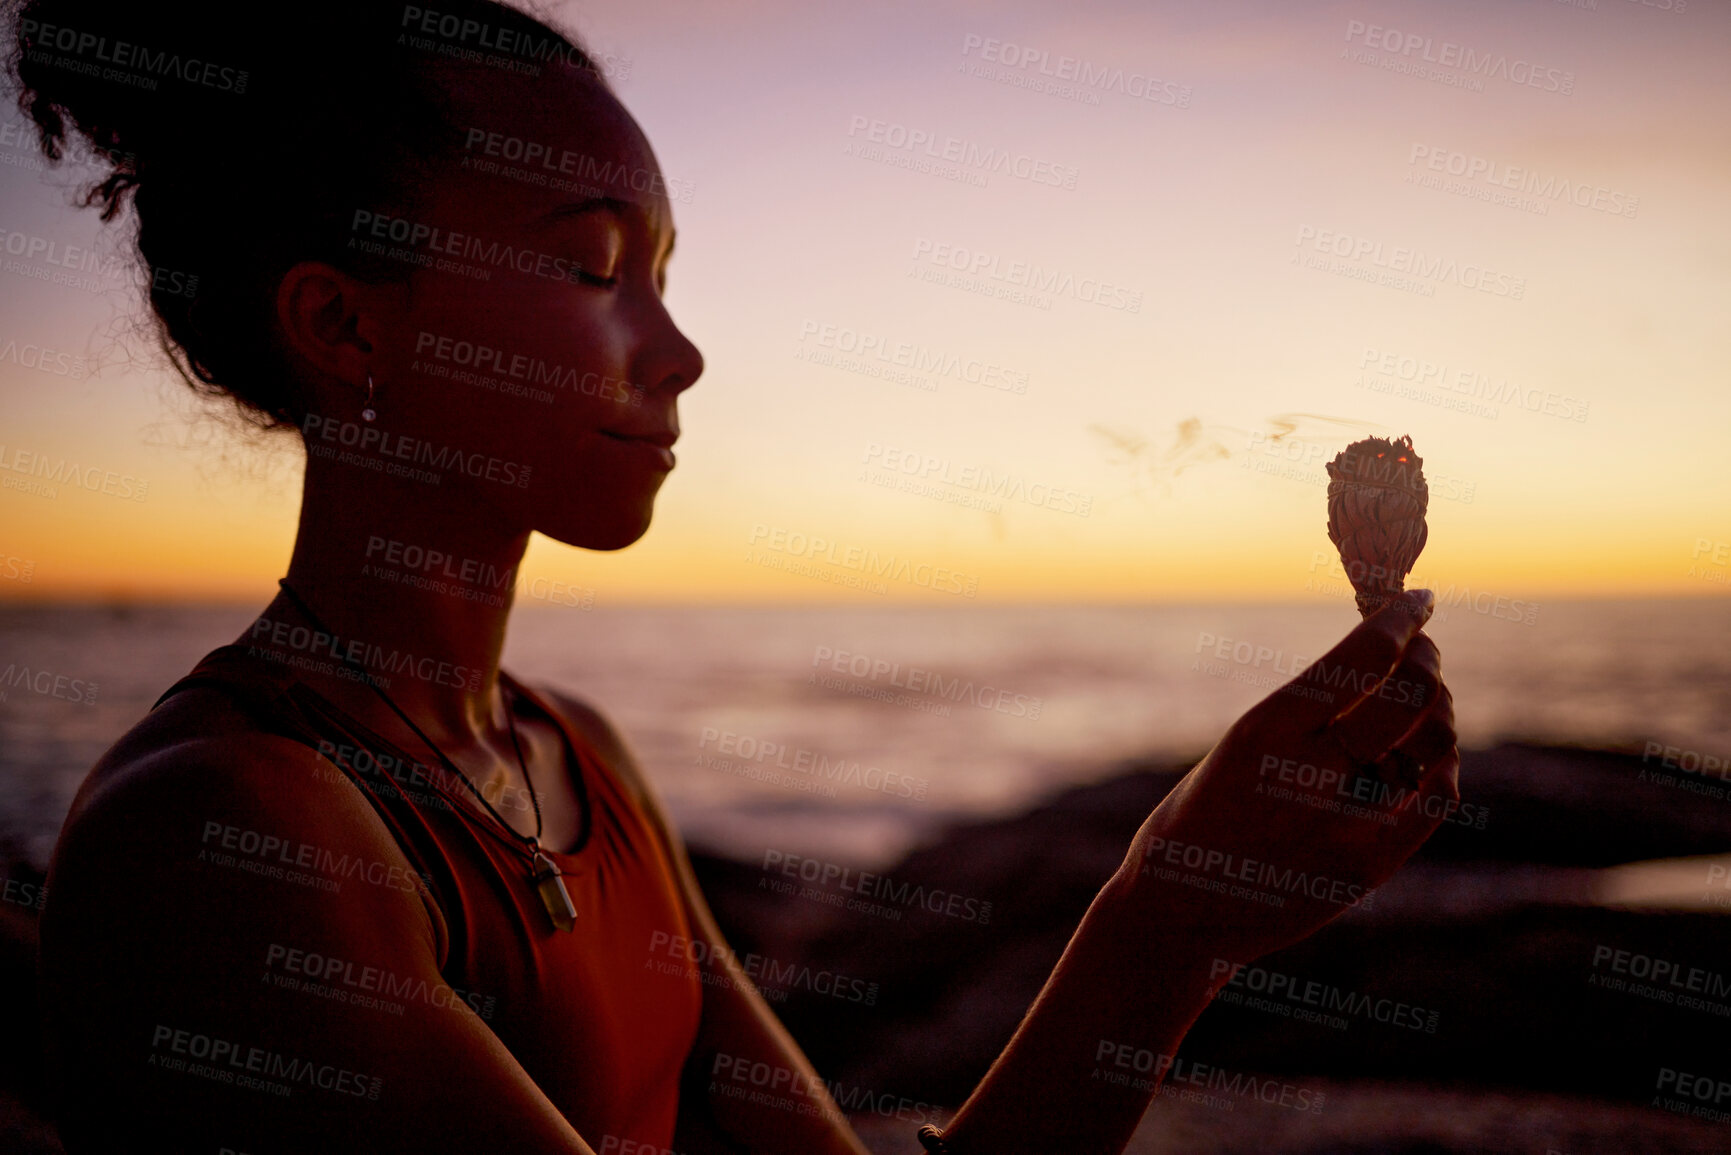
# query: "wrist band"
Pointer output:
{"type": "Point", "coordinates": [932, 1139]}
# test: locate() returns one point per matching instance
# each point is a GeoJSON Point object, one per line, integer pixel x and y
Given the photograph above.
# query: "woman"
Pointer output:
{"type": "Point", "coordinates": [352, 887]}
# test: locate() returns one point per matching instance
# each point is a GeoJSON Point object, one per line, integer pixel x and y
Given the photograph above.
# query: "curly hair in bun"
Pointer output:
{"type": "Point", "coordinates": [247, 145]}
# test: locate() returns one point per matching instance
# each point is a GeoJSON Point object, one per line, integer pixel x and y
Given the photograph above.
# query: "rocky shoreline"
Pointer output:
{"type": "Point", "coordinates": [1485, 945]}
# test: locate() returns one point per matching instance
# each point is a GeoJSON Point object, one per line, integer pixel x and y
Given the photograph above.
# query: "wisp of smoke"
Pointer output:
{"type": "Point", "coordinates": [1194, 443]}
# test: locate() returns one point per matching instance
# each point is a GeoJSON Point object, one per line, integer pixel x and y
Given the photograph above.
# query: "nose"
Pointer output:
{"type": "Point", "coordinates": [670, 362]}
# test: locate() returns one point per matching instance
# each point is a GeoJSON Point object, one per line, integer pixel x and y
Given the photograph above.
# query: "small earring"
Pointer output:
{"type": "Point", "coordinates": [368, 413]}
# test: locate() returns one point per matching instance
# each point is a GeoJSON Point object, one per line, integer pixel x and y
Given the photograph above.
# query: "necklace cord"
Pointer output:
{"type": "Point", "coordinates": [531, 842]}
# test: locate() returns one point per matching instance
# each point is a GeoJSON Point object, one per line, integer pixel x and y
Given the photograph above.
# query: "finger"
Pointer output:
{"type": "Point", "coordinates": [1435, 736]}
{"type": "Point", "coordinates": [1338, 679]}
{"type": "Point", "coordinates": [1443, 775]}
{"type": "Point", "coordinates": [1395, 707]}
{"type": "Point", "coordinates": [1432, 740]}
{"type": "Point", "coordinates": [1441, 780]}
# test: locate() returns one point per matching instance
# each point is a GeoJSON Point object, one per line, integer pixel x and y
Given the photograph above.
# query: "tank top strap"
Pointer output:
{"type": "Point", "coordinates": [269, 701]}
{"type": "Point", "coordinates": [245, 679]}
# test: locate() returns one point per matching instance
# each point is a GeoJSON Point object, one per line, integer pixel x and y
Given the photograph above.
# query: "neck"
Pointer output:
{"type": "Point", "coordinates": [414, 583]}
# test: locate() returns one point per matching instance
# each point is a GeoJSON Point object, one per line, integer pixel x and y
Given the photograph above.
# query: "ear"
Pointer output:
{"type": "Point", "coordinates": [331, 321]}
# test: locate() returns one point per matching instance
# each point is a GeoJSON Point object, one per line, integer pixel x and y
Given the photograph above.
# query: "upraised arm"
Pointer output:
{"type": "Point", "coordinates": [1257, 847]}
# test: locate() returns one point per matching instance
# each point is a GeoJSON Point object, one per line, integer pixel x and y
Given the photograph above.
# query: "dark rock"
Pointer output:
{"type": "Point", "coordinates": [1509, 983]}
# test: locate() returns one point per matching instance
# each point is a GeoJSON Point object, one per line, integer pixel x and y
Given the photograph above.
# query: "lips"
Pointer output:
{"type": "Point", "coordinates": [654, 446]}
{"type": "Point", "coordinates": [660, 437]}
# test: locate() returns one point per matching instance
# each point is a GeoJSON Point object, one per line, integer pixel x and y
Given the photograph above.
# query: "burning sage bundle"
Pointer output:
{"type": "Point", "coordinates": [1377, 498]}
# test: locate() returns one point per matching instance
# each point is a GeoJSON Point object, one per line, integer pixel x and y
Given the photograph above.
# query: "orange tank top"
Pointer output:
{"type": "Point", "coordinates": [602, 1036]}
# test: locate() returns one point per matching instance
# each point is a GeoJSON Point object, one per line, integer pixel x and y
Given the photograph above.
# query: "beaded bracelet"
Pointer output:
{"type": "Point", "coordinates": [932, 1139]}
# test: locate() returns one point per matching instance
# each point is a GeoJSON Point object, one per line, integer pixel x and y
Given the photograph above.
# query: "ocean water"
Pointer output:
{"type": "Point", "coordinates": [855, 733]}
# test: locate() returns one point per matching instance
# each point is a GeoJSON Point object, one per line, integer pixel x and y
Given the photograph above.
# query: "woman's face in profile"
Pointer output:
{"type": "Point", "coordinates": [536, 335]}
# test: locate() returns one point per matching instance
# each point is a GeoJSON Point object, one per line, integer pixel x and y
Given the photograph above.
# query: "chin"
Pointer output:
{"type": "Point", "coordinates": [603, 533]}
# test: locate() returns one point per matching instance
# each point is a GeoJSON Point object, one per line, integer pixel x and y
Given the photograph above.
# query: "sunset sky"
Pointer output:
{"type": "Point", "coordinates": [1569, 364]}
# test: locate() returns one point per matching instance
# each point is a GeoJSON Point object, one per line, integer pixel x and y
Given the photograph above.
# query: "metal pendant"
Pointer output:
{"type": "Point", "coordinates": [551, 885]}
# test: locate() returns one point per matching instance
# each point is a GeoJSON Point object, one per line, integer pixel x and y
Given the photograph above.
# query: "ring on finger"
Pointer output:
{"type": "Point", "coordinates": [1406, 769]}
{"type": "Point", "coordinates": [1365, 767]}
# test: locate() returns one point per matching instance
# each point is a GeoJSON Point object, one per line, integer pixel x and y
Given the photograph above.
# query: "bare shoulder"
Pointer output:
{"type": "Point", "coordinates": [196, 782]}
{"type": "Point", "coordinates": [199, 749]}
{"type": "Point", "coordinates": [221, 891]}
{"type": "Point", "coordinates": [197, 744]}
